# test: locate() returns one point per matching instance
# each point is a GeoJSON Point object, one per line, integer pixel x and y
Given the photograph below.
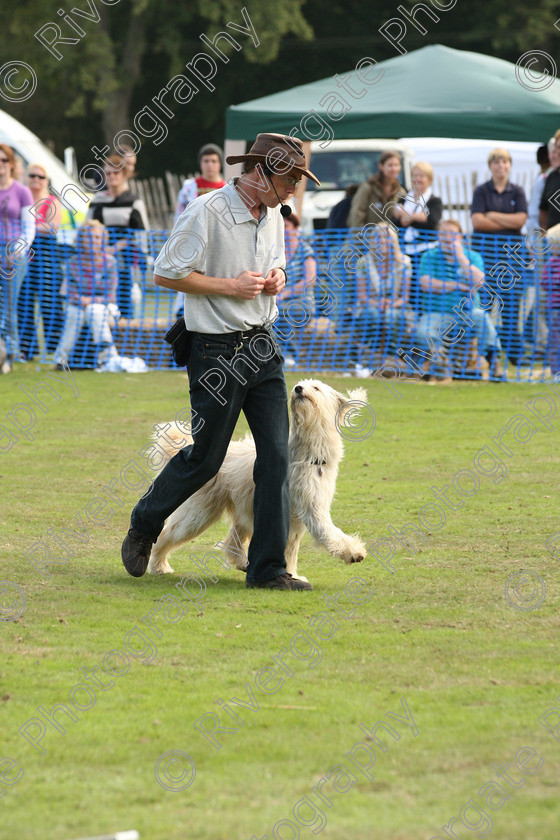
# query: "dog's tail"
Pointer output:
{"type": "Point", "coordinates": [358, 395]}
{"type": "Point", "coordinates": [170, 440]}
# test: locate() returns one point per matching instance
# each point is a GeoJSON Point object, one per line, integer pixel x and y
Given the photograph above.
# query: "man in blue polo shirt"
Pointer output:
{"type": "Point", "coordinates": [498, 206]}
{"type": "Point", "coordinates": [499, 210]}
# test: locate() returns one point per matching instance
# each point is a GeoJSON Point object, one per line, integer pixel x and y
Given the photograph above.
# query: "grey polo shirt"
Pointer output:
{"type": "Point", "coordinates": [217, 236]}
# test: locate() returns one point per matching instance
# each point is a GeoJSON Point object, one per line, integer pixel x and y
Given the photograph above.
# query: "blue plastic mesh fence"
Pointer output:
{"type": "Point", "coordinates": [355, 299]}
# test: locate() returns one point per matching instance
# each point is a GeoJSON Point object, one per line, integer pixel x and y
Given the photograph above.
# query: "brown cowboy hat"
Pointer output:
{"type": "Point", "coordinates": [279, 152]}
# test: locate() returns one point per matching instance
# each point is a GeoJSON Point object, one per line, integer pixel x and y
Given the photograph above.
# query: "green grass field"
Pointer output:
{"type": "Point", "coordinates": [475, 672]}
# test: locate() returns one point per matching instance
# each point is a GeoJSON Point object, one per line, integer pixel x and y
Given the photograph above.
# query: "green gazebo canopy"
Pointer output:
{"type": "Point", "coordinates": [432, 92]}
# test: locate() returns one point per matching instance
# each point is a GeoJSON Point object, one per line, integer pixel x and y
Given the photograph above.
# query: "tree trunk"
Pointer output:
{"type": "Point", "coordinates": [116, 116]}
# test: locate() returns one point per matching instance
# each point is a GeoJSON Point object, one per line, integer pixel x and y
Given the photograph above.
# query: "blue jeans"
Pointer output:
{"type": "Point", "coordinates": [41, 285]}
{"type": "Point", "coordinates": [223, 383]}
{"type": "Point", "coordinates": [9, 291]}
{"type": "Point", "coordinates": [395, 320]}
{"type": "Point", "coordinates": [483, 329]}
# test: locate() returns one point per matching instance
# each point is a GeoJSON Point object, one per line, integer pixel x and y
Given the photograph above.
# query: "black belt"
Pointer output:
{"type": "Point", "coordinates": [250, 333]}
{"type": "Point", "coordinates": [240, 334]}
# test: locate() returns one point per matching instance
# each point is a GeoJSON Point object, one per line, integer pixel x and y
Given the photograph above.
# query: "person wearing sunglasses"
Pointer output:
{"type": "Point", "coordinates": [17, 231]}
{"type": "Point", "coordinates": [42, 281]}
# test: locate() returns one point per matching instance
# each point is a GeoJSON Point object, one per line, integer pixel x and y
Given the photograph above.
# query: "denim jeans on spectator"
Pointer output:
{"type": "Point", "coordinates": [9, 291]}
{"type": "Point", "coordinates": [531, 322]}
{"type": "Point", "coordinates": [554, 342]}
{"type": "Point", "coordinates": [483, 329]}
{"type": "Point", "coordinates": [41, 285]}
{"type": "Point", "coordinates": [509, 321]}
{"type": "Point", "coordinates": [497, 257]}
{"type": "Point", "coordinates": [261, 395]}
{"type": "Point", "coordinates": [99, 320]}
{"type": "Point", "coordinates": [394, 321]}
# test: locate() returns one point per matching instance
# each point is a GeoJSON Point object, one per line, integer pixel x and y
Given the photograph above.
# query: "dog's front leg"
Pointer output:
{"type": "Point", "coordinates": [351, 549]}
{"type": "Point", "coordinates": [235, 546]}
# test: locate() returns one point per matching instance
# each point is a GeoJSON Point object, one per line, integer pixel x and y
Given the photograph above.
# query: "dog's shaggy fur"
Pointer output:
{"type": "Point", "coordinates": [315, 448]}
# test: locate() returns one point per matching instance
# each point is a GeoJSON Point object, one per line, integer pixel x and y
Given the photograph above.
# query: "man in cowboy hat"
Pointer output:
{"type": "Point", "coordinates": [226, 254]}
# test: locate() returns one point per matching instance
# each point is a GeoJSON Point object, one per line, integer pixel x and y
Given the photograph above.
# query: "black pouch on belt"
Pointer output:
{"type": "Point", "coordinates": [180, 340]}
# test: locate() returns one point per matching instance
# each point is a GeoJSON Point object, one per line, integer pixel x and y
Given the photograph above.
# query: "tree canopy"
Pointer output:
{"type": "Point", "coordinates": [115, 56]}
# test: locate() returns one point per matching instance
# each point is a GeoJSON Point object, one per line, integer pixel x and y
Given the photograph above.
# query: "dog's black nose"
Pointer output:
{"type": "Point", "coordinates": [298, 389]}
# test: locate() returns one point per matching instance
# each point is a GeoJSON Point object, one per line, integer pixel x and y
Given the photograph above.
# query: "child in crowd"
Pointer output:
{"type": "Point", "coordinates": [92, 280]}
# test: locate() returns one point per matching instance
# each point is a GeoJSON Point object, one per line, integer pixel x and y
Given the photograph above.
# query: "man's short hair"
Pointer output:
{"type": "Point", "coordinates": [496, 154]}
{"type": "Point", "coordinates": [455, 222]}
{"type": "Point", "coordinates": [210, 149]}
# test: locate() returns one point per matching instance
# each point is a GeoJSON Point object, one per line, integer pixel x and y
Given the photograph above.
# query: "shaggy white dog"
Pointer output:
{"type": "Point", "coordinates": [315, 448]}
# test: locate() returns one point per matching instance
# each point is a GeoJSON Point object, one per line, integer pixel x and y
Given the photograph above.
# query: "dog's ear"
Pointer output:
{"type": "Point", "coordinates": [357, 394]}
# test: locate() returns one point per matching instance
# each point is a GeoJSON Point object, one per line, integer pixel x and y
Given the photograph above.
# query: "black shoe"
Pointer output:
{"type": "Point", "coordinates": [135, 553]}
{"type": "Point", "coordinates": [283, 581]}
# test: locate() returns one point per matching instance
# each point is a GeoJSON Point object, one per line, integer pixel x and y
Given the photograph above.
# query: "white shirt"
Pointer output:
{"type": "Point", "coordinates": [216, 235]}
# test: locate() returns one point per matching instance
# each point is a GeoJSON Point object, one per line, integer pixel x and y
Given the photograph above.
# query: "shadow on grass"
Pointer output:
{"type": "Point", "coordinates": [124, 581]}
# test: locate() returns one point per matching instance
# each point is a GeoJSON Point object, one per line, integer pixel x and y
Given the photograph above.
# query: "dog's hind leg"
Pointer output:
{"type": "Point", "coordinates": [189, 520]}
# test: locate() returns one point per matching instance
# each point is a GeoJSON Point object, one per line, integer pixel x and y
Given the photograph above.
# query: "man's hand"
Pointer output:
{"type": "Point", "coordinates": [248, 285]}
{"type": "Point", "coordinates": [275, 281]}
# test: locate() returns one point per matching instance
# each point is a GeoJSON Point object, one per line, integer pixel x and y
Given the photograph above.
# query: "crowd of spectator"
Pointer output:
{"type": "Point", "coordinates": [50, 290]}
{"type": "Point", "coordinates": [416, 280]}
{"type": "Point", "coordinates": [495, 294]}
